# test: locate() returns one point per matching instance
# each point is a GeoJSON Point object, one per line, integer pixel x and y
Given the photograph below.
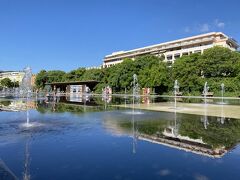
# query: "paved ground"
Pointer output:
{"type": "Point", "coordinates": [218, 110]}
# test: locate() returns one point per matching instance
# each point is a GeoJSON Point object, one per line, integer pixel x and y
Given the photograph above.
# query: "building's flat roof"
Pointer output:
{"type": "Point", "coordinates": [9, 71]}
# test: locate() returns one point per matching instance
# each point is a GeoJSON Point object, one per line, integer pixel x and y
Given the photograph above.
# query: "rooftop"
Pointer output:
{"type": "Point", "coordinates": [9, 71]}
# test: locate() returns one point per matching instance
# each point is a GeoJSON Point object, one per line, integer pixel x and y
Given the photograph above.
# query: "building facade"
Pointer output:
{"type": "Point", "coordinates": [173, 50]}
{"type": "Point", "coordinates": [14, 76]}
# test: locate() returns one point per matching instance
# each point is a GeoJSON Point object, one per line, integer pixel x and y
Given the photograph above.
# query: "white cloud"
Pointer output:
{"type": "Point", "coordinates": [204, 27]}
{"type": "Point", "coordinates": [187, 30]}
{"type": "Point", "coordinates": [219, 24]}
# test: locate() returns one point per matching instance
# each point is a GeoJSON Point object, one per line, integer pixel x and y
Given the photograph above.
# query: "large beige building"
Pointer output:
{"type": "Point", "coordinates": [14, 76]}
{"type": "Point", "coordinates": [173, 50]}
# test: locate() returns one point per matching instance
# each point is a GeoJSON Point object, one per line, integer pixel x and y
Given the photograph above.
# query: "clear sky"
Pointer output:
{"type": "Point", "coordinates": [67, 34]}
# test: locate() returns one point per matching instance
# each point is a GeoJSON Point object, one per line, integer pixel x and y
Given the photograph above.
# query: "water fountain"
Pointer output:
{"type": "Point", "coordinates": [222, 93]}
{"type": "Point", "coordinates": [205, 91]}
{"type": "Point", "coordinates": [135, 95]}
{"type": "Point", "coordinates": [176, 91]}
{"type": "Point", "coordinates": [136, 88]}
{"type": "Point", "coordinates": [204, 119]}
{"type": "Point", "coordinates": [26, 90]}
{"type": "Point", "coordinates": [125, 93]}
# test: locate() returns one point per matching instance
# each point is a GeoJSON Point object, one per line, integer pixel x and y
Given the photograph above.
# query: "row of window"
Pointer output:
{"type": "Point", "coordinates": [169, 57]}
{"type": "Point", "coordinates": [178, 55]}
{"type": "Point", "coordinates": [176, 46]}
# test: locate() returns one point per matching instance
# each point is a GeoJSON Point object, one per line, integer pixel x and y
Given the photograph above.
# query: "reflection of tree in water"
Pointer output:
{"type": "Point", "coordinates": [5, 103]}
{"type": "Point", "coordinates": [134, 134]}
{"type": "Point", "coordinates": [217, 135]}
{"type": "Point", "coordinates": [62, 107]}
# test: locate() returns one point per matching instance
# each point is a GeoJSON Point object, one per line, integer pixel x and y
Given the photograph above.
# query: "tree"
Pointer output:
{"type": "Point", "coordinates": [74, 75]}
{"type": "Point", "coordinates": [218, 62]}
{"type": "Point", "coordinates": [186, 71]}
{"type": "Point", "coordinates": [44, 77]}
{"type": "Point", "coordinates": [92, 74]}
{"type": "Point", "coordinates": [55, 76]}
{"type": "Point", "coordinates": [121, 75]}
{"type": "Point", "coordinates": [6, 82]}
{"type": "Point", "coordinates": [155, 76]}
{"type": "Point", "coordinates": [41, 79]}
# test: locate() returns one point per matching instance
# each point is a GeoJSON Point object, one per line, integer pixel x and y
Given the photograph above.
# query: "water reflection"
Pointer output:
{"type": "Point", "coordinates": [26, 172]}
{"type": "Point", "coordinates": [180, 131]}
{"type": "Point", "coordinates": [92, 137]}
{"type": "Point", "coordinates": [206, 135]}
{"type": "Point", "coordinates": [5, 172]}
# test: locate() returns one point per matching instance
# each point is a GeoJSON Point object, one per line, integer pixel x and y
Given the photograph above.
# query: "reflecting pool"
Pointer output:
{"type": "Point", "coordinates": [93, 138]}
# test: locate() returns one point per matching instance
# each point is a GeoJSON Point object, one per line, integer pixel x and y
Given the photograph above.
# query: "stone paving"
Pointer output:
{"type": "Point", "coordinates": [217, 110]}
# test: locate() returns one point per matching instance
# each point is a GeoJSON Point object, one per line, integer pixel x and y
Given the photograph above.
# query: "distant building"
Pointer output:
{"type": "Point", "coordinates": [33, 80]}
{"type": "Point", "coordinates": [14, 76]}
{"type": "Point", "coordinates": [173, 50]}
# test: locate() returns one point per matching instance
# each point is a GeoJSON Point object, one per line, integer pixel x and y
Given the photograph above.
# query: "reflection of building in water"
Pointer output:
{"type": "Point", "coordinates": [196, 146]}
{"type": "Point", "coordinates": [6, 173]}
{"type": "Point", "coordinates": [78, 98]}
{"type": "Point", "coordinates": [18, 105]}
{"type": "Point", "coordinates": [168, 136]}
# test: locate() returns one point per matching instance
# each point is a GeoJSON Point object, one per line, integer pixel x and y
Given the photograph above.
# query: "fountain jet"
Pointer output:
{"type": "Point", "coordinates": [26, 89]}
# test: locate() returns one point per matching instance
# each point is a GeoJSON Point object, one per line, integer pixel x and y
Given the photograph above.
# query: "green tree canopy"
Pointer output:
{"type": "Point", "coordinates": [41, 79]}
{"type": "Point", "coordinates": [6, 82]}
{"type": "Point", "coordinates": [218, 62]}
{"type": "Point", "coordinates": [186, 71]}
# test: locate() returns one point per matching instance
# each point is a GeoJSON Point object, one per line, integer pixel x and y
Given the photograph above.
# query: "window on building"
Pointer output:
{"type": "Point", "coordinates": [169, 57]}
{"type": "Point", "coordinates": [176, 56]}
{"type": "Point", "coordinates": [198, 51]}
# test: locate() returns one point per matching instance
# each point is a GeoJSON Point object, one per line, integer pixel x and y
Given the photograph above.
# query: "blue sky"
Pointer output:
{"type": "Point", "coordinates": [67, 34]}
